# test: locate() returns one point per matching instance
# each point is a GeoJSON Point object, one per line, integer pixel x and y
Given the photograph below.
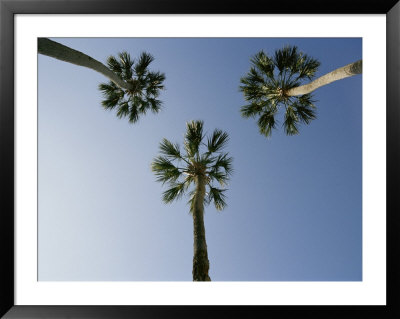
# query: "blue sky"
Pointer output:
{"type": "Point", "coordinates": [294, 202]}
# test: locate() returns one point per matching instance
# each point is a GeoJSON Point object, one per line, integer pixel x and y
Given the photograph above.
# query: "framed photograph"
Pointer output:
{"type": "Point", "coordinates": [166, 159]}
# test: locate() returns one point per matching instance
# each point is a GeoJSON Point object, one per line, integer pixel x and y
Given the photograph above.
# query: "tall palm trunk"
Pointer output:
{"type": "Point", "coordinates": [200, 256]}
{"type": "Point", "coordinates": [64, 53]}
{"type": "Point", "coordinates": [338, 74]}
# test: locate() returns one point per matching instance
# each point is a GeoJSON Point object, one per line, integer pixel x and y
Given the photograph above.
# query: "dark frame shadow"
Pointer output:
{"type": "Point", "coordinates": [8, 8]}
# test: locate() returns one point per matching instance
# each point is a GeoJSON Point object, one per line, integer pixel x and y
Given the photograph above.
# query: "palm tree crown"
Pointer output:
{"type": "Point", "coordinates": [144, 88]}
{"type": "Point", "coordinates": [266, 85]}
{"type": "Point", "coordinates": [199, 160]}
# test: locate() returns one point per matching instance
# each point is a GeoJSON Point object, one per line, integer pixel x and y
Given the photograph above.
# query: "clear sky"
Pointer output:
{"type": "Point", "coordinates": [294, 202]}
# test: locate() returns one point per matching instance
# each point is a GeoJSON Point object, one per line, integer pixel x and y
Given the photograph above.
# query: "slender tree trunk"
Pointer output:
{"type": "Point", "coordinates": [338, 74]}
{"type": "Point", "coordinates": [200, 256]}
{"type": "Point", "coordinates": [64, 53]}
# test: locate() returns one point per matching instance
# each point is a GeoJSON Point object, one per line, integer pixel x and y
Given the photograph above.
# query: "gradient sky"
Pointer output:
{"type": "Point", "coordinates": [294, 202]}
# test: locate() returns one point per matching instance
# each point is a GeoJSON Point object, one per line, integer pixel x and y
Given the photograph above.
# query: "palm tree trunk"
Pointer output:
{"type": "Point", "coordinates": [338, 74]}
{"type": "Point", "coordinates": [200, 256]}
{"type": "Point", "coordinates": [64, 53]}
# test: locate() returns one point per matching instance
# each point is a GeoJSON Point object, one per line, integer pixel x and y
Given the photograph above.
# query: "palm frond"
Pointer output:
{"type": "Point", "coordinates": [126, 65]}
{"type": "Point", "coordinates": [253, 109]}
{"type": "Point", "coordinates": [193, 137]}
{"type": "Point", "coordinates": [154, 105]}
{"type": "Point", "coordinates": [266, 122]}
{"type": "Point", "coordinates": [189, 178]}
{"type": "Point", "coordinates": [142, 64]}
{"type": "Point", "coordinates": [108, 88]}
{"type": "Point", "coordinates": [169, 149]}
{"type": "Point", "coordinates": [218, 197]}
{"type": "Point", "coordinates": [263, 63]}
{"type": "Point", "coordinates": [111, 93]}
{"type": "Point", "coordinates": [174, 193]}
{"type": "Point", "coordinates": [286, 59]}
{"type": "Point", "coordinates": [123, 109]}
{"type": "Point", "coordinates": [251, 91]}
{"type": "Point", "coordinates": [306, 99]}
{"type": "Point", "coordinates": [161, 163]}
{"type": "Point", "coordinates": [142, 104]}
{"type": "Point", "coordinates": [291, 121]}
{"type": "Point", "coordinates": [114, 65]}
{"type": "Point", "coordinates": [206, 159]}
{"type": "Point", "coordinates": [225, 162]}
{"type": "Point", "coordinates": [307, 67]}
{"type": "Point", "coordinates": [305, 113]}
{"type": "Point", "coordinates": [254, 77]}
{"type": "Point", "coordinates": [165, 170]}
{"type": "Point", "coordinates": [253, 84]}
{"type": "Point", "coordinates": [217, 141]}
{"type": "Point", "coordinates": [155, 83]}
{"type": "Point", "coordinates": [221, 177]}
{"type": "Point", "coordinates": [133, 113]}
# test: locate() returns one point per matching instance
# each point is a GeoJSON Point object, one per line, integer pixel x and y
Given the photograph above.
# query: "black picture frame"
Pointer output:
{"type": "Point", "coordinates": [391, 8]}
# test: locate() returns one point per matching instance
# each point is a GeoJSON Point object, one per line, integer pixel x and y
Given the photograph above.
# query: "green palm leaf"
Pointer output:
{"type": "Point", "coordinates": [114, 65]}
{"type": "Point", "coordinates": [112, 95]}
{"type": "Point", "coordinates": [266, 122]}
{"type": "Point", "coordinates": [143, 62]}
{"type": "Point", "coordinates": [225, 162]}
{"type": "Point", "coordinates": [263, 63]}
{"type": "Point", "coordinates": [193, 137]}
{"type": "Point", "coordinates": [291, 121]}
{"type": "Point", "coordinates": [170, 150]}
{"type": "Point", "coordinates": [126, 64]}
{"type": "Point", "coordinates": [286, 58]}
{"type": "Point", "coordinates": [217, 141]}
{"type": "Point", "coordinates": [154, 105]}
{"type": "Point", "coordinates": [305, 113]}
{"type": "Point", "coordinates": [165, 170]}
{"type": "Point", "coordinates": [123, 110]}
{"type": "Point", "coordinates": [220, 177]}
{"type": "Point", "coordinates": [307, 67]}
{"type": "Point", "coordinates": [174, 193]}
{"type": "Point", "coordinates": [217, 196]}
{"type": "Point", "coordinates": [155, 81]}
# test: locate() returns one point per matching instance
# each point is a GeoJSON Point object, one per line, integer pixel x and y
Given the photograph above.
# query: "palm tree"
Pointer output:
{"type": "Point", "coordinates": [193, 171]}
{"type": "Point", "coordinates": [133, 89]}
{"type": "Point", "coordinates": [278, 81]}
